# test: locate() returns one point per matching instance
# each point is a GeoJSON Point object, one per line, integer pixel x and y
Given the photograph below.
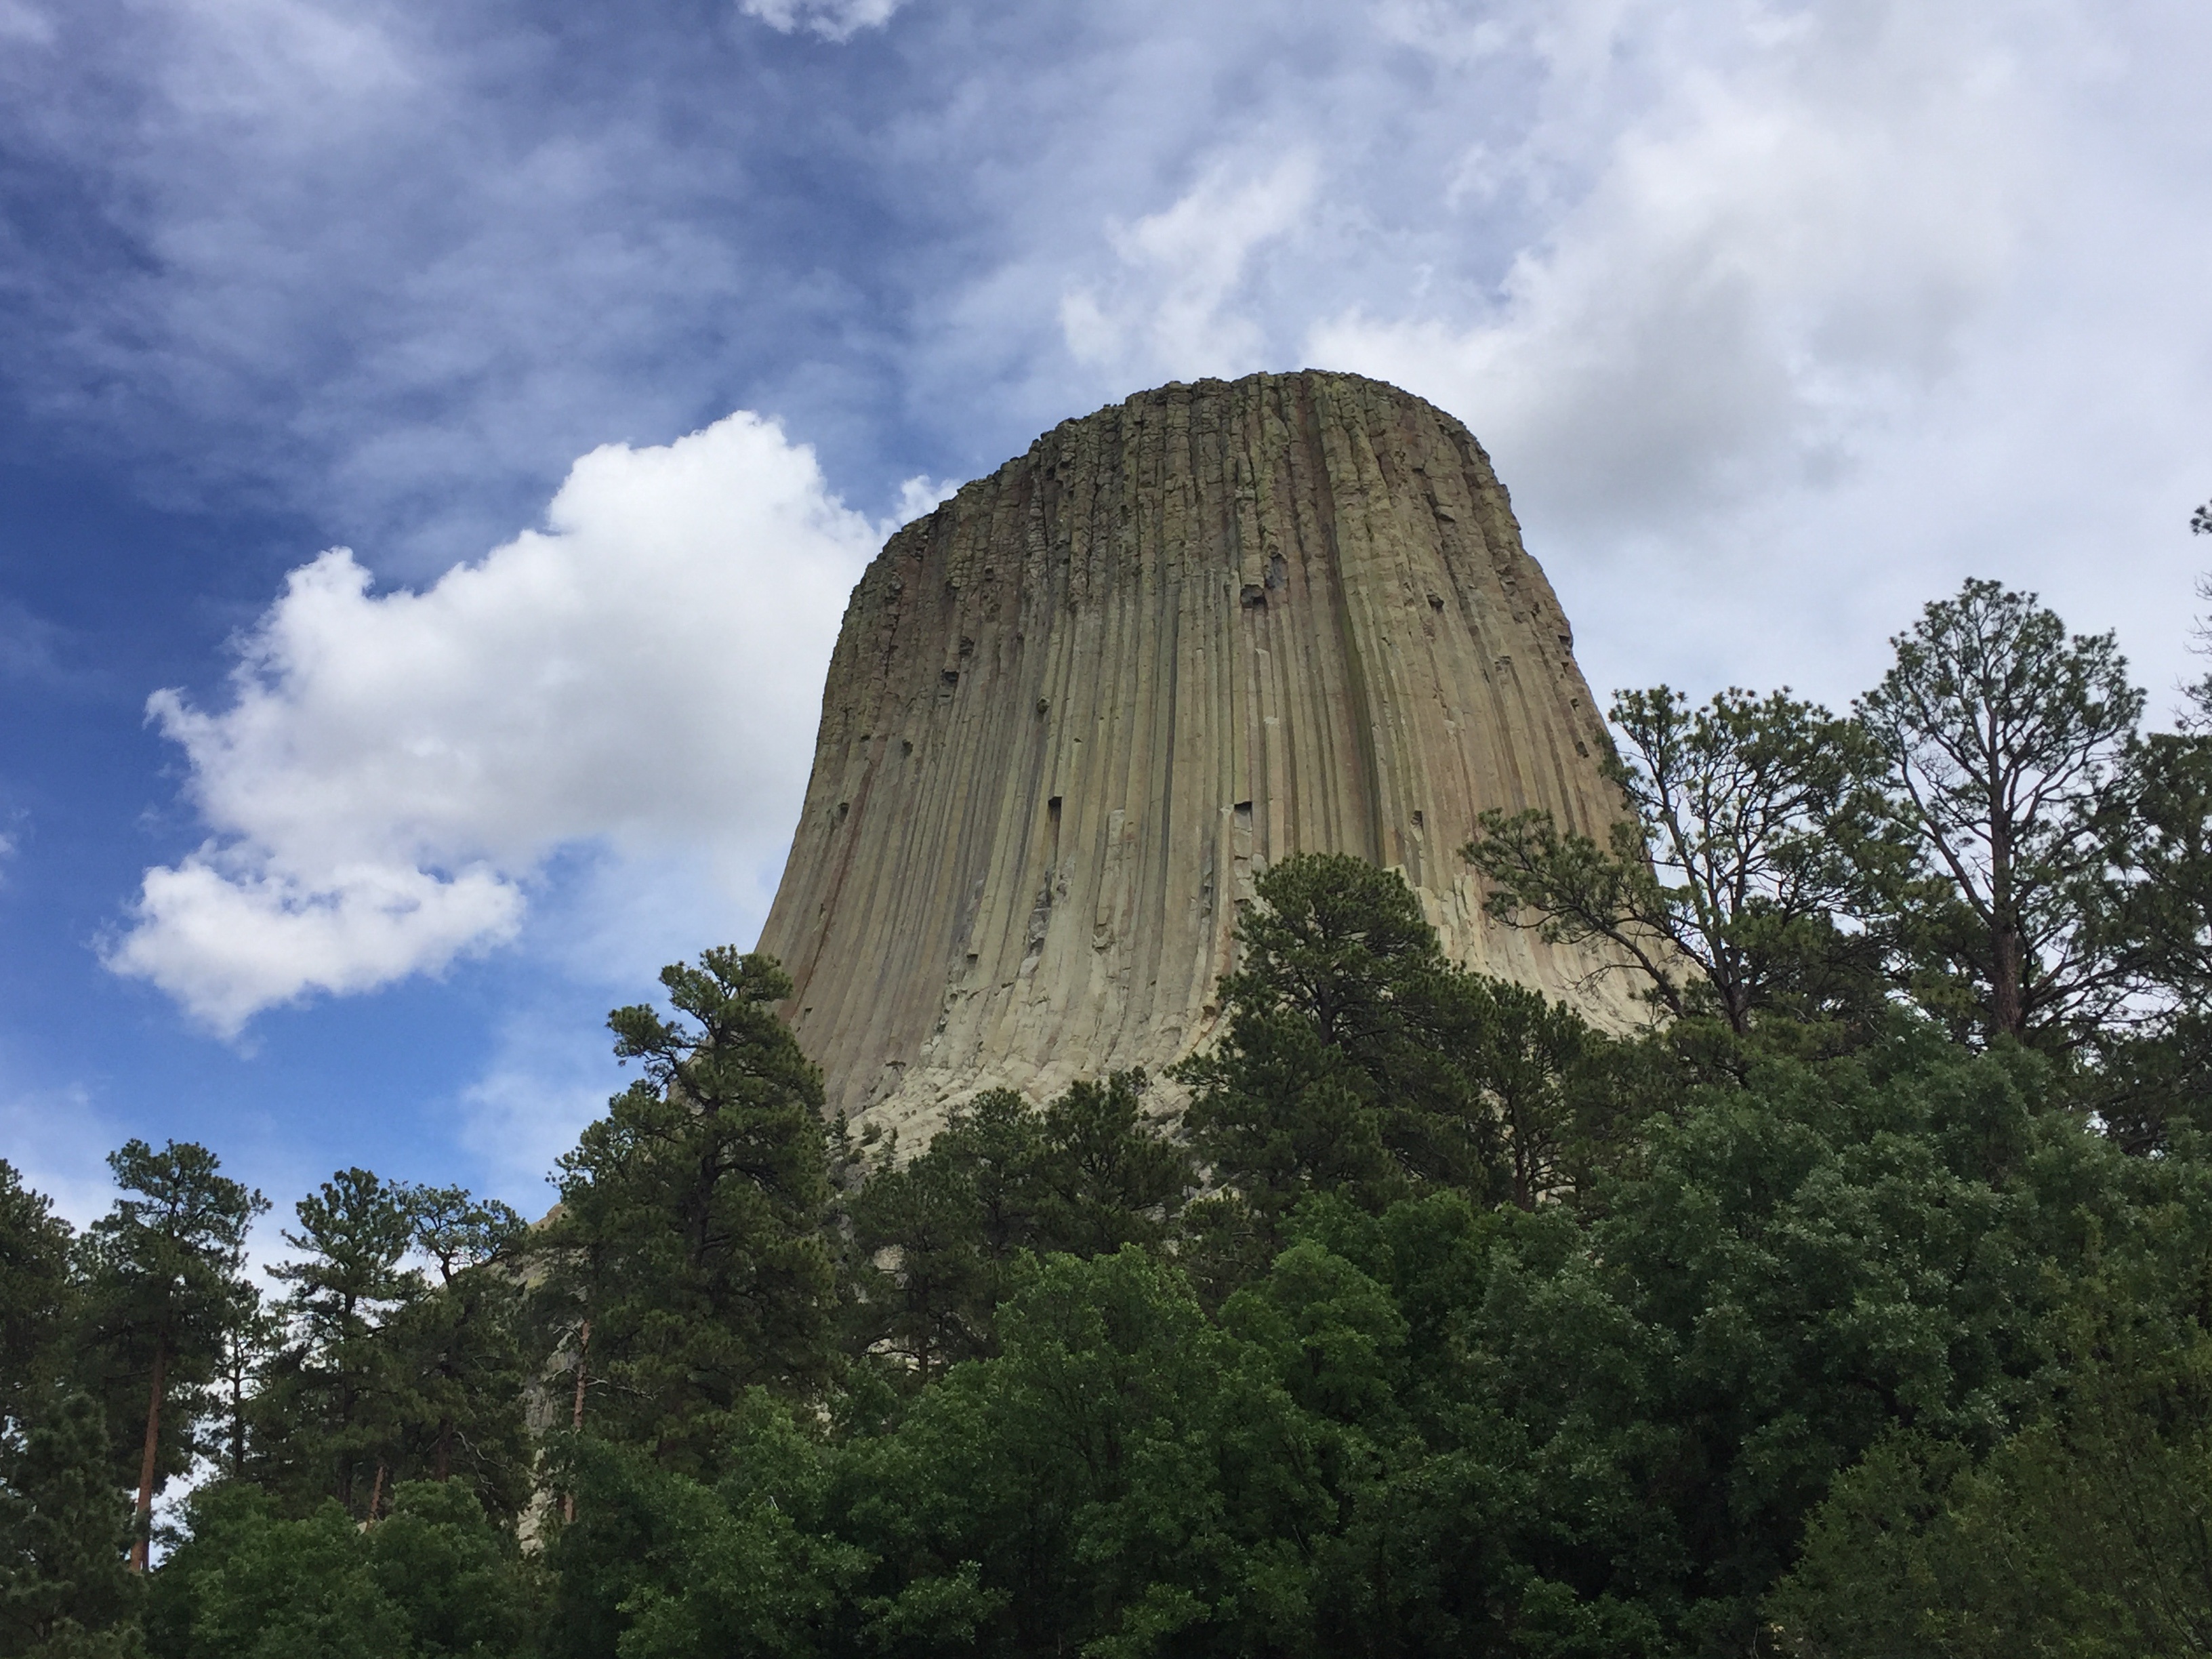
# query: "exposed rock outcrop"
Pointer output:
{"type": "Point", "coordinates": [1075, 710]}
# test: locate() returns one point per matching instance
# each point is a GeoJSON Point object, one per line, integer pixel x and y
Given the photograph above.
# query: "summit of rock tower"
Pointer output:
{"type": "Point", "coordinates": [1073, 711]}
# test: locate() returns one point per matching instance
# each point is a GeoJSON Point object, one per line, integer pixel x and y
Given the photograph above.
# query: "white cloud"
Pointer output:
{"type": "Point", "coordinates": [921, 494]}
{"type": "Point", "coordinates": [1816, 311]}
{"type": "Point", "coordinates": [1777, 318]}
{"type": "Point", "coordinates": [31, 648]}
{"type": "Point", "coordinates": [1445, 30]}
{"type": "Point", "coordinates": [833, 20]}
{"type": "Point", "coordinates": [58, 1141]}
{"type": "Point", "coordinates": [21, 22]}
{"type": "Point", "coordinates": [394, 768]}
{"type": "Point", "coordinates": [235, 928]}
{"type": "Point", "coordinates": [1779, 251]}
{"type": "Point", "coordinates": [1168, 308]}
{"type": "Point", "coordinates": [549, 1077]}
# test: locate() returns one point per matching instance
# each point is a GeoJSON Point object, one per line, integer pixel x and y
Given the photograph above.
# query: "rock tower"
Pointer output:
{"type": "Point", "coordinates": [1076, 709]}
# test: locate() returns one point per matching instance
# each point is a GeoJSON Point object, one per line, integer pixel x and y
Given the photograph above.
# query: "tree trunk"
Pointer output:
{"type": "Point", "coordinates": [583, 1363]}
{"type": "Point", "coordinates": [2008, 951]}
{"type": "Point", "coordinates": [576, 1417]}
{"type": "Point", "coordinates": [143, 1535]}
{"type": "Point", "coordinates": [237, 1425]}
{"type": "Point", "coordinates": [2007, 989]}
{"type": "Point", "coordinates": [376, 1491]}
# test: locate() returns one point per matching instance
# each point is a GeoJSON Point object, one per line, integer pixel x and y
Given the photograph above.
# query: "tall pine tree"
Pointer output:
{"type": "Point", "coordinates": [164, 1268]}
{"type": "Point", "coordinates": [688, 1253]}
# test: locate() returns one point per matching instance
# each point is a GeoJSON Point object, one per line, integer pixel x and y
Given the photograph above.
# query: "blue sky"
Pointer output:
{"type": "Point", "coordinates": [610, 341]}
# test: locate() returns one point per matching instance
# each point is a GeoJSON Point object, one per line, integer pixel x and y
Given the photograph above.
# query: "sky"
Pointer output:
{"type": "Point", "coordinates": [437, 437]}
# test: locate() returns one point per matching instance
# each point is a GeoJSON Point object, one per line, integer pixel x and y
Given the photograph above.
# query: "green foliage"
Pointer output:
{"type": "Point", "coordinates": [252, 1338]}
{"type": "Point", "coordinates": [163, 1273]}
{"type": "Point", "coordinates": [658, 1565]}
{"type": "Point", "coordinates": [2161, 918]}
{"type": "Point", "coordinates": [38, 1296]}
{"type": "Point", "coordinates": [1359, 1061]}
{"type": "Point", "coordinates": [1860, 1307]}
{"type": "Point", "coordinates": [1070, 1493]}
{"type": "Point", "coordinates": [1783, 870]}
{"type": "Point", "coordinates": [1331, 1076]}
{"type": "Point", "coordinates": [1594, 1349]}
{"type": "Point", "coordinates": [1804, 1262]}
{"type": "Point", "coordinates": [1443, 1428]}
{"type": "Point", "coordinates": [1549, 1095]}
{"type": "Point", "coordinates": [939, 1238]}
{"type": "Point", "coordinates": [368, 1374]}
{"type": "Point", "coordinates": [432, 1580]}
{"type": "Point", "coordinates": [2004, 739]}
{"type": "Point", "coordinates": [336, 1397]}
{"type": "Point", "coordinates": [689, 1235]}
{"type": "Point", "coordinates": [460, 1362]}
{"type": "Point", "coordinates": [1751, 824]}
{"type": "Point", "coordinates": [2153, 1076]}
{"type": "Point", "coordinates": [458, 1581]}
{"type": "Point", "coordinates": [2088, 1533]}
{"type": "Point", "coordinates": [63, 1590]}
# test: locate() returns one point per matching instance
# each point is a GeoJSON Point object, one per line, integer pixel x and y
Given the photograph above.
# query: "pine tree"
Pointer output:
{"type": "Point", "coordinates": [1752, 829]}
{"type": "Point", "coordinates": [1337, 1071]}
{"type": "Point", "coordinates": [457, 1355]}
{"type": "Point", "coordinates": [2005, 740]}
{"type": "Point", "coordinates": [689, 1230]}
{"type": "Point", "coordinates": [38, 1297]}
{"type": "Point", "coordinates": [65, 1587]}
{"type": "Point", "coordinates": [1086, 1174]}
{"type": "Point", "coordinates": [335, 1397]}
{"type": "Point", "coordinates": [164, 1267]}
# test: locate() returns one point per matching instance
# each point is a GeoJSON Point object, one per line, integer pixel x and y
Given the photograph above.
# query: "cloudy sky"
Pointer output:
{"type": "Point", "coordinates": [437, 436]}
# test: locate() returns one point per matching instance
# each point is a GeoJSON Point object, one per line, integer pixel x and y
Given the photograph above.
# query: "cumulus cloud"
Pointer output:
{"type": "Point", "coordinates": [1776, 251]}
{"type": "Point", "coordinates": [921, 494]}
{"type": "Point", "coordinates": [833, 20]}
{"type": "Point", "coordinates": [1169, 308]}
{"type": "Point", "coordinates": [1808, 300]}
{"type": "Point", "coordinates": [393, 768]}
{"type": "Point", "coordinates": [1767, 310]}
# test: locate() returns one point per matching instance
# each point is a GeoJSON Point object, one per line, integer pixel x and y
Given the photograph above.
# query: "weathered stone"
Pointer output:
{"type": "Point", "coordinates": [1076, 709]}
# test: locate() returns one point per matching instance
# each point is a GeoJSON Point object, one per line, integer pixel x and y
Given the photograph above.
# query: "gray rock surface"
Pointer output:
{"type": "Point", "coordinates": [1075, 710]}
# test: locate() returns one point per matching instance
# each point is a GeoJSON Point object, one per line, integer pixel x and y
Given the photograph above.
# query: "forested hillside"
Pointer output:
{"type": "Point", "coordinates": [1861, 1305]}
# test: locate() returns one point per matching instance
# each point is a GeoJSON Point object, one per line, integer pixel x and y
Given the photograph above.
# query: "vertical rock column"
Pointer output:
{"type": "Point", "coordinates": [1076, 709]}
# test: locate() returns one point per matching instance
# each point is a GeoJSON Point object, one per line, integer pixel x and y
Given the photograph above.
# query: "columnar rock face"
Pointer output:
{"type": "Point", "coordinates": [1076, 709]}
